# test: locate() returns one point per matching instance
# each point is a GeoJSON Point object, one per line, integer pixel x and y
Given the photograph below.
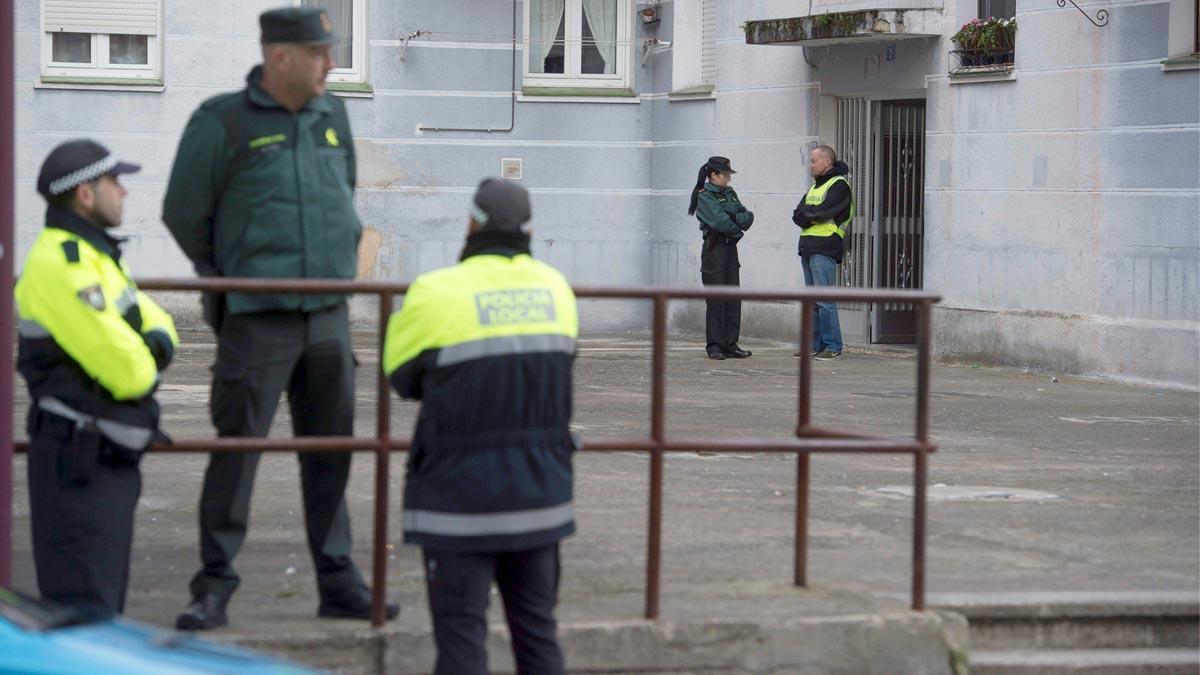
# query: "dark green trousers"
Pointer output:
{"type": "Point", "coordinates": [259, 357]}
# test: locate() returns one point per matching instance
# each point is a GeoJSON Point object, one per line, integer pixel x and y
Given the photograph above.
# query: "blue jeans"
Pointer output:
{"type": "Point", "coordinates": [821, 270]}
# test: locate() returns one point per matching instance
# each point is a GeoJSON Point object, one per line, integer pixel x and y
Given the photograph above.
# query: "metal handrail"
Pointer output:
{"type": "Point", "coordinates": [808, 439]}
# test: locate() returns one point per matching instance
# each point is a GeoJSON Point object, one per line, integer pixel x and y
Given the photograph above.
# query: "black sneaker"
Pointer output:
{"type": "Point", "coordinates": [736, 352]}
{"type": "Point", "coordinates": [203, 613]}
{"type": "Point", "coordinates": [353, 605]}
{"type": "Point", "coordinates": [828, 356]}
{"type": "Point", "coordinates": [800, 354]}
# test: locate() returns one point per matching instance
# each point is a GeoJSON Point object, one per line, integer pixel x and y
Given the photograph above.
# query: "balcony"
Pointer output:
{"type": "Point", "coordinates": [871, 25]}
{"type": "Point", "coordinates": [965, 62]}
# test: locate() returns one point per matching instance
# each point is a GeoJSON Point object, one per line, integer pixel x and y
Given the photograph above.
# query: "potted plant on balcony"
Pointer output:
{"type": "Point", "coordinates": [985, 43]}
{"type": "Point", "coordinates": [968, 38]}
{"type": "Point", "coordinates": [997, 39]}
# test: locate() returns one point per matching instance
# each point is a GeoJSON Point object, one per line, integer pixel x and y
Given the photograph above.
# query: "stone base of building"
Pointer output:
{"type": "Point", "coordinates": [1162, 353]}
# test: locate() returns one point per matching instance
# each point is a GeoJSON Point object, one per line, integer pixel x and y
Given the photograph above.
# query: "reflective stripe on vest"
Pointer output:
{"type": "Point", "coordinates": [816, 195]}
{"type": "Point", "coordinates": [486, 524]}
{"type": "Point", "coordinates": [127, 300]}
{"type": "Point", "coordinates": [125, 435]}
{"type": "Point", "coordinates": [28, 328]}
{"type": "Point", "coordinates": [508, 345]}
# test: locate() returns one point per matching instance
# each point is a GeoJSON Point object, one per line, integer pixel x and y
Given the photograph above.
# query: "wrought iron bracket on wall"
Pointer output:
{"type": "Point", "coordinates": [1101, 19]}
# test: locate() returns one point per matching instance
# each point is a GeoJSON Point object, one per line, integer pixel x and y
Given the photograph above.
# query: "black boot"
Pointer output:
{"type": "Point", "coordinates": [205, 612]}
{"type": "Point", "coordinates": [353, 605]}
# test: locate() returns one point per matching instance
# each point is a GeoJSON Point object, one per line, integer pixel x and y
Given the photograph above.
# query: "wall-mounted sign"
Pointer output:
{"type": "Point", "coordinates": [873, 67]}
{"type": "Point", "coordinates": [889, 53]}
{"type": "Point", "coordinates": [511, 168]}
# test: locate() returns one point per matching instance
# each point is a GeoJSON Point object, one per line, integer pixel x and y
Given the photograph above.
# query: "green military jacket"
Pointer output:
{"type": "Point", "coordinates": [718, 210]}
{"type": "Point", "coordinates": [257, 191]}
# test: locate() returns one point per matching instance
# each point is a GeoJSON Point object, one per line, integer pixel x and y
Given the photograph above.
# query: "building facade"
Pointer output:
{"type": "Point", "coordinates": [1051, 194]}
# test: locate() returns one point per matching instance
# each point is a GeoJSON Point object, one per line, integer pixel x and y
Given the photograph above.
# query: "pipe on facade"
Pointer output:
{"type": "Point", "coordinates": [512, 113]}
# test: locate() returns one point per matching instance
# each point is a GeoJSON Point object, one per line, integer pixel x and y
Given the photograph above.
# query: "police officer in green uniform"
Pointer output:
{"type": "Point", "coordinates": [724, 221]}
{"type": "Point", "coordinates": [488, 347]}
{"type": "Point", "coordinates": [263, 186]}
{"type": "Point", "coordinates": [91, 347]}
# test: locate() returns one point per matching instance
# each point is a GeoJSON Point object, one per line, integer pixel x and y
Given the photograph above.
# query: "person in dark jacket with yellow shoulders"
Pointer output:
{"type": "Point", "coordinates": [91, 347]}
{"type": "Point", "coordinates": [488, 347]}
{"type": "Point", "coordinates": [723, 222]}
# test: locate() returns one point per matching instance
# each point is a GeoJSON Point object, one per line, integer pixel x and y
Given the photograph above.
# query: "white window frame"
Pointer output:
{"type": "Point", "coordinates": [358, 46]}
{"type": "Point", "coordinates": [571, 78]}
{"type": "Point", "coordinates": [99, 67]}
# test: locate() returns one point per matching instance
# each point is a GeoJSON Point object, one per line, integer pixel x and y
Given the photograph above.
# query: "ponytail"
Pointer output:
{"type": "Point", "coordinates": [700, 180]}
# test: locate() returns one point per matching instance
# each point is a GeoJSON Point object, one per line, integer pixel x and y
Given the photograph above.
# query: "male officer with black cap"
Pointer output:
{"type": "Point", "coordinates": [488, 347]}
{"type": "Point", "coordinates": [263, 186]}
{"type": "Point", "coordinates": [91, 347]}
{"type": "Point", "coordinates": [723, 221]}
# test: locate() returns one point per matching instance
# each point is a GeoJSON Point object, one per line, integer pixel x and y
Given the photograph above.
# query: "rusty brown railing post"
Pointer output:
{"type": "Point", "coordinates": [658, 402]}
{"type": "Point", "coordinates": [920, 458]}
{"type": "Point", "coordinates": [7, 251]}
{"type": "Point", "coordinates": [803, 459]}
{"type": "Point", "coordinates": [383, 430]}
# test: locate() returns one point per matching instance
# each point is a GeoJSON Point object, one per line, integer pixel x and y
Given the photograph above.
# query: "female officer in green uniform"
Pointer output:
{"type": "Point", "coordinates": [724, 221]}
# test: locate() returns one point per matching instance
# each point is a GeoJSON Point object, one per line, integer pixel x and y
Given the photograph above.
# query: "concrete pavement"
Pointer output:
{"type": "Point", "coordinates": [1039, 485]}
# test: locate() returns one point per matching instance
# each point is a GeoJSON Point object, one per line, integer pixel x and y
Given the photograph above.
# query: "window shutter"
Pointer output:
{"type": "Point", "coordinates": [130, 17]}
{"type": "Point", "coordinates": [708, 43]}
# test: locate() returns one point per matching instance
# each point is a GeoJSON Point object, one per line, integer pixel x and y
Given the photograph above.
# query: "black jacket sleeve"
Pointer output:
{"type": "Point", "coordinates": [837, 200]}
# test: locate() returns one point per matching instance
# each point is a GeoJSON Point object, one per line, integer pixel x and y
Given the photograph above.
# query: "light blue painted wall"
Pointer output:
{"type": "Point", "coordinates": [1061, 207]}
{"type": "Point", "coordinates": [587, 164]}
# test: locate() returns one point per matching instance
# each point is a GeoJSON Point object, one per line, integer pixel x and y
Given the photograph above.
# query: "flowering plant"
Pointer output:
{"type": "Point", "coordinates": [992, 34]}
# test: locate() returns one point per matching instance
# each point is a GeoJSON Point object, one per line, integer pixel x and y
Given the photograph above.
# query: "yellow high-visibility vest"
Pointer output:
{"type": "Point", "coordinates": [80, 300]}
{"type": "Point", "coordinates": [487, 305]}
{"type": "Point", "coordinates": [816, 195]}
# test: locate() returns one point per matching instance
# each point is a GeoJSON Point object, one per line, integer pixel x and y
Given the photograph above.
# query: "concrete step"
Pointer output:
{"type": "Point", "coordinates": [1085, 662]}
{"type": "Point", "coordinates": [912, 643]}
{"type": "Point", "coordinates": [1078, 621]}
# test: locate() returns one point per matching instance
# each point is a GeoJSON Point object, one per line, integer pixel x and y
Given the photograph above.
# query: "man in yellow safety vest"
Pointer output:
{"type": "Point", "coordinates": [823, 216]}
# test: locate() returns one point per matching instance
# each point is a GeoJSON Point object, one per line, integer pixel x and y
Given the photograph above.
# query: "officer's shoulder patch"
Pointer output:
{"type": "Point", "coordinates": [93, 296]}
{"type": "Point", "coordinates": [70, 249]}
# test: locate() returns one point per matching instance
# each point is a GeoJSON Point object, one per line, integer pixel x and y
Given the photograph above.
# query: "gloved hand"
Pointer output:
{"type": "Point", "coordinates": [744, 218]}
{"type": "Point", "coordinates": [160, 348]}
{"type": "Point", "coordinates": [799, 218]}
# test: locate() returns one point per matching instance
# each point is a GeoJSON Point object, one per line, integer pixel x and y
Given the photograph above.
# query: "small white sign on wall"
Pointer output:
{"type": "Point", "coordinates": [873, 67]}
{"type": "Point", "coordinates": [511, 168]}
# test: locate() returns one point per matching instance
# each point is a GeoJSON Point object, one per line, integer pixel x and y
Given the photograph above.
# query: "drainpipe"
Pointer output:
{"type": "Point", "coordinates": [7, 213]}
{"type": "Point", "coordinates": [512, 113]}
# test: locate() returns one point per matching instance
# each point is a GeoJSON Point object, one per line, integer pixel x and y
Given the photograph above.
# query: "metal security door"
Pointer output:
{"type": "Point", "coordinates": [898, 223]}
{"type": "Point", "coordinates": [854, 147]}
